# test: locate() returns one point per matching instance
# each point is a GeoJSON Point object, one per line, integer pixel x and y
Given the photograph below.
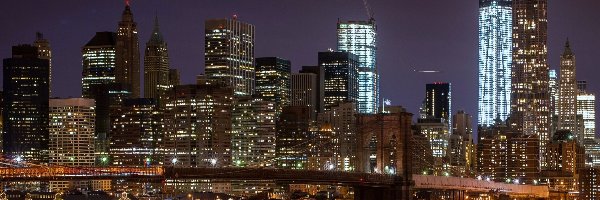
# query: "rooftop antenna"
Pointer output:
{"type": "Point", "coordinates": [368, 9]}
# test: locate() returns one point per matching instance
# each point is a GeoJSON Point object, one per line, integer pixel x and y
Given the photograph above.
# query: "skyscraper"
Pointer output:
{"type": "Point", "coordinates": [136, 133]}
{"type": "Point", "coordinates": [553, 82]}
{"type": "Point", "coordinates": [156, 65]}
{"type": "Point", "coordinates": [586, 107]}
{"type": "Point", "coordinates": [71, 140]}
{"type": "Point", "coordinates": [437, 131]}
{"type": "Point", "coordinates": [530, 97]}
{"type": "Point", "coordinates": [360, 38]}
{"type": "Point", "coordinates": [567, 103]}
{"type": "Point", "coordinates": [438, 101]}
{"type": "Point", "coordinates": [253, 132]}
{"type": "Point", "coordinates": [341, 120]}
{"type": "Point", "coordinates": [304, 87]}
{"type": "Point", "coordinates": [72, 132]}
{"type": "Point", "coordinates": [320, 77]}
{"type": "Point", "coordinates": [98, 62]}
{"type": "Point", "coordinates": [26, 93]}
{"type": "Point", "coordinates": [341, 77]}
{"type": "Point", "coordinates": [465, 153]}
{"type": "Point", "coordinates": [198, 119]}
{"type": "Point", "coordinates": [229, 53]}
{"type": "Point", "coordinates": [128, 54]}
{"type": "Point", "coordinates": [495, 58]}
{"type": "Point", "coordinates": [293, 137]}
{"type": "Point", "coordinates": [273, 81]}
{"type": "Point", "coordinates": [44, 52]}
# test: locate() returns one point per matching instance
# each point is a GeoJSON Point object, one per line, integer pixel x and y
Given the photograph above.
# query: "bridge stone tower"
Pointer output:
{"type": "Point", "coordinates": [384, 146]}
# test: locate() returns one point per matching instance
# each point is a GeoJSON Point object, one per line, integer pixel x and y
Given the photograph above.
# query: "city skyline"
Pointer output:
{"type": "Point", "coordinates": [335, 108]}
{"type": "Point", "coordinates": [397, 56]}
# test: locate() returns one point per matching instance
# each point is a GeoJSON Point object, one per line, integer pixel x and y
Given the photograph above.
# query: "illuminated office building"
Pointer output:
{"type": "Point", "coordinates": [565, 153]}
{"type": "Point", "coordinates": [341, 77]}
{"type": "Point", "coordinates": [461, 147]}
{"type": "Point", "coordinates": [319, 72]}
{"type": "Point", "coordinates": [553, 82]}
{"type": "Point", "coordinates": [530, 97]}
{"type": "Point", "coordinates": [436, 130]}
{"type": "Point", "coordinates": [438, 101]}
{"type": "Point", "coordinates": [495, 58]}
{"type": "Point", "coordinates": [273, 81]}
{"type": "Point", "coordinates": [505, 155]}
{"type": "Point", "coordinates": [156, 65]}
{"type": "Point", "coordinates": [253, 132]}
{"type": "Point", "coordinates": [98, 62]}
{"type": "Point", "coordinates": [589, 183]}
{"type": "Point", "coordinates": [136, 133]}
{"type": "Point", "coordinates": [303, 92]}
{"type": "Point", "coordinates": [293, 137]}
{"type": "Point", "coordinates": [72, 131]}
{"type": "Point", "coordinates": [567, 102]}
{"type": "Point", "coordinates": [25, 112]}
{"type": "Point", "coordinates": [586, 107]}
{"type": "Point", "coordinates": [341, 122]}
{"type": "Point", "coordinates": [360, 39]}
{"type": "Point", "coordinates": [198, 119]}
{"type": "Point", "coordinates": [71, 138]}
{"type": "Point", "coordinates": [127, 52]}
{"type": "Point", "coordinates": [229, 53]}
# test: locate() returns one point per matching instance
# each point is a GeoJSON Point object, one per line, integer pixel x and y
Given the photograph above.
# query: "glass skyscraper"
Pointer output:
{"type": "Point", "coordinates": [495, 58]}
{"type": "Point", "coordinates": [229, 53]}
{"type": "Point", "coordinates": [360, 38]}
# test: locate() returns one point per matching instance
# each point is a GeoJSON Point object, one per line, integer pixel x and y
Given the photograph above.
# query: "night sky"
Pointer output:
{"type": "Point", "coordinates": [412, 34]}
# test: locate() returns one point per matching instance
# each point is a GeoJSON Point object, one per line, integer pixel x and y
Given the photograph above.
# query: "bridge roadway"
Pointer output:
{"type": "Point", "coordinates": [158, 174]}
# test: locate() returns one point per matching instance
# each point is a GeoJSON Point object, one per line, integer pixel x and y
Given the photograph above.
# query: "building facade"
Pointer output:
{"type": "Point", "coordinates": [438, 101]}
{"type": "Point", "coordinates": [229, 53]}
{"type": "Point", "coordinates": [137, 129]}
{"type": "Point", "coordinates": [586, 107]}
{"type": "Point", "coordinates": [340, 78]}
{"type": "Point", "coordinates": [44, 52]}
{"type": "Point", "coordinates": [495, 59]}
{"type": "Point", "coordinates": [99, 62]}
{"type": "Point", "coordinates": [304, 88]}
{"type": "Point", "coordinates": [530, 97]}
{"type": "Point", "coordinates": [127, 54]}
{"type": "Point", "coordinates": [567, 102]}
{"type": "Point", "coordinates": [589, 183]}
{"type": "Point", "coordinates": [340, 121]}
{"type": "Point", "coordinates": [294, 134]}
{"type": "Point", "coordinates": [156, 65]}
{"type": "Point", "coordinates": [72, 132]}
{"type": "Point", "coordinates": [320, 75]}
{"type": "Point", "coordinates": [25, 113]}
{"type": "Point", "coordinates": [273, 81]}
{"type": "Point", "coordinates": [360, 38]}
{"type": "Point", "coordinates": [506, 155]}
{"type": "Point", "coordinates": [253, 132]}
{"type": "Point", "coordinates": [198, 119]}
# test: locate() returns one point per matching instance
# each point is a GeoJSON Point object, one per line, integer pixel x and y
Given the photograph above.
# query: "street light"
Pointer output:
{"type": "Point", "coordinates": [213, 162]}
{"type": "Point", "coordinates": [18, 159]}
{"type": "Point", "coordinates": [174, 161]}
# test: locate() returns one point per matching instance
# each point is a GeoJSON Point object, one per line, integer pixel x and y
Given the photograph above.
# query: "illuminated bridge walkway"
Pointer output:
{"type": "Point", "coordinates": [158, 174]}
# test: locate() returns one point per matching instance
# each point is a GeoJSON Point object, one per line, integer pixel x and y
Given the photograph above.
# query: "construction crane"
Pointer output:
{"type": "Point", "coordinates": [368, 9]}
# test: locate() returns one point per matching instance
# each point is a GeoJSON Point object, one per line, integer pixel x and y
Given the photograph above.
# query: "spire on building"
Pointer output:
{"type": "Point", "coordinates": [127, 14]}
{"type": "Point", "coordinates": [568, 51]}
{"type": "Point", "coordinates": [156, 36]}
